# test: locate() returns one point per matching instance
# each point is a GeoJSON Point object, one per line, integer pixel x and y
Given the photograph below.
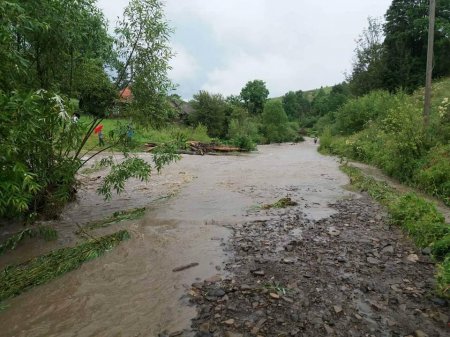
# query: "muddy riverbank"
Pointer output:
{"type": "Point", "coordinates": [132, 291]}
{"type": "Point", "coordinates": [345, 275]}
{"type": "Point", "coordinates": [206, 210]}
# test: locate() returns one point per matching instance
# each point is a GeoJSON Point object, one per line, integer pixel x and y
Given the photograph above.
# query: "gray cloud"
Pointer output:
{"type": "Point", "coordinates": [290, 44]}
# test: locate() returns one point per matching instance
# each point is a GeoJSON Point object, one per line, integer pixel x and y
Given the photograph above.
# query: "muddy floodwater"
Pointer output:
{"type": "Point", "coordinates": [191, 208]}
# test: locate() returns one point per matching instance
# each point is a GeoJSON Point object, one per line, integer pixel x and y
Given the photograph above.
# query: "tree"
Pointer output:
{"type": "Point", "coordinates": [210, 110]}
{"type": "Point", "coordinates": [50, 39]}
{"type": "Point", "coordinates": [275, 122]}
{"type": "Point", "coordinates": [295, 104]}
{"type": "Point", "coordinates": [143, 48]}
{"type": "Point", "coordinates": [254, 95]}
{"type": "Point", "coordinates": [405, 44]}
{"type": "Point", "coordinates": [63, 46]}
{"type": "Point", "coordinates": [367, 66]}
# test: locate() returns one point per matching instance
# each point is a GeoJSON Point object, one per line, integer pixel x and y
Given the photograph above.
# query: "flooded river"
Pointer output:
{"type": "Point", "coordinates": [132, 290]}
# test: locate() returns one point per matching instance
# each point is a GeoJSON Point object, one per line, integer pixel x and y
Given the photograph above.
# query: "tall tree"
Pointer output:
{"type": "Point", "coordinates": [367, 66]}
{"type": "Point", "coordinates": [295, 104]}
{"type": "Point", "coordinates": [275, 122]}
{"type": "Point", "coordinates": [210, 110]}
{"type": "Point", "coordinates": [254, 95]}
{"type": "Point", "coordinates": [405, 45]}
{"type": "Point", "coordinates": [144, 53]}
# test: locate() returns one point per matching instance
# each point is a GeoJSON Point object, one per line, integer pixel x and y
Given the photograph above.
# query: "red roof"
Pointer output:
{"type": "Point", "coordinates": [125, 94]}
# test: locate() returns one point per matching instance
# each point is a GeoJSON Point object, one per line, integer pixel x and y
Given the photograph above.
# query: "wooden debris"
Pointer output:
{"type": "Point", "coordinates": [190, 265]}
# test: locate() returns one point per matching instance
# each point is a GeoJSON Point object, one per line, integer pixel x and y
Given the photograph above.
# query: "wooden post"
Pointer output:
{"type": "Point", "coordinates": [429, 73]}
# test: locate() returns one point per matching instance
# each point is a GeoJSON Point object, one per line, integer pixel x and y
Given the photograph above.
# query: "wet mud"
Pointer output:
{"type": "Point", "coordinates": [349, 274]}
{"type": "Point", "coordinates": [205, 211]}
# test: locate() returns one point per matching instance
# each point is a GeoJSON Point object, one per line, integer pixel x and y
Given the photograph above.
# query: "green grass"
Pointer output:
{"type": "Point", "coordinates": [141, 136]}
{"type": "Point", "coordinates": [17, 279]}
{"type": "Point", "coordinates": [418, 217]}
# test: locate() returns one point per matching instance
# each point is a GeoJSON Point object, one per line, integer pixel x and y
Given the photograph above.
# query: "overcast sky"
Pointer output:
{"type": "Point", "coordinates": [220, 45]}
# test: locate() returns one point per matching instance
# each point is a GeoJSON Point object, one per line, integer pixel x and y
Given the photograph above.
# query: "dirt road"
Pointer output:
{"type": "Point", "coordinates": [329, 266]}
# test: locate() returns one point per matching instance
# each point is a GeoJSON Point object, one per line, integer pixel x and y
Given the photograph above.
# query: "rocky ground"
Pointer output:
{"type": "Point", "coordinates": [346, 275]}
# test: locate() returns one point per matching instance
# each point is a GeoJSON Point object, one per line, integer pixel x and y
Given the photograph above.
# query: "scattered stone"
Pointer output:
{"type": "Point", "coordinates": [274, 296]}
{"type": "Point", "coordinates": [420, 333]}
{"type": "Point", "coordinates": [426, 251]}
{"type": "Point", "coordinates": [176, 334]}
{"type": "Point", "coordinates": [332, 231]}
{"type": "Point", "coordinates": [337, 309]}
{"type": "Point", "coordinates": [328, 329]}
{"type": "Point", "coordinates": [373, 260]}
{"type": "Point", "coordinates": [204, 327]}
{"type": "Point", "coordinates": [412, 258]}
{"type": "Point", "coordinates": [354, 297]}
{"type": "Point", "coordinates": [216, 292]}
{"type": "Point", "coordinates": [233, 334]}
{"type": "Point", "coordinates": [388, 250]}
{"type": "Point", "coordinates": [229, 321]}
{"type": "Point", "coordinates": [288, 261]}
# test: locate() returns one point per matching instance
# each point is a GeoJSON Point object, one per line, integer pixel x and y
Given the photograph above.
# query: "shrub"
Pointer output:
{"type": "Point", "coordinates": [354, 115]}
{"type": "Point", "coordinates": [441, 248]}
{"type": "Point", "coordinates": [433, 173]}
{"type": "Point", "coordinates": [420, 219]}
{"type": "Point", "coordinates": [275, 124]}
{"type": "Point", "coordinates": [443, 278]}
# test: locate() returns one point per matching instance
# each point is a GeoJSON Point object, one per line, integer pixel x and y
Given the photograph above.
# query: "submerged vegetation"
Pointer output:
{"type": "Point", "coordinates": [17, 279]}
{"type": "Point", "coordinates": [45, 232]}
{"type": "Point", "coordinates": [417, 217]}
{"type": "Point", "coordinates": [118, 216]}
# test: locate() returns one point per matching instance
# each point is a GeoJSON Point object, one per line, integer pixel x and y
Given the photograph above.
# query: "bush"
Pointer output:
{"type": "Point", "coordinates": [275, 126]}
{"type": "Point", "coordinates": [441, 248]}
{"type": "Point", "coordinates": [443, 278]}
{"type": "Point", "coordinates": [419, 218]}
{"type": "Point", "coordinates": [433, 173]}
{"type": "Point", "coordinates": [354, 115]}
{"type": "Point", "coordinates": [37, 135]}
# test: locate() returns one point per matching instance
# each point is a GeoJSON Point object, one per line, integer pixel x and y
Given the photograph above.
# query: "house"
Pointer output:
{"type": "Point", "coordinates": [125, 95]}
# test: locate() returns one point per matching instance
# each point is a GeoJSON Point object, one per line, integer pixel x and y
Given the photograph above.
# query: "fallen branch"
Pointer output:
{"type": "Point", "coordinates": [16, 279]}
{"type": "Point", "coordinates": [190, 265]}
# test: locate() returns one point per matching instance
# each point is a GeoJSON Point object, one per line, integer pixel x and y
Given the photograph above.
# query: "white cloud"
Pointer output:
{"type": "Point", "coordinates": [290, 44]}
{"type": "Point", "coordinates": [184, 65]}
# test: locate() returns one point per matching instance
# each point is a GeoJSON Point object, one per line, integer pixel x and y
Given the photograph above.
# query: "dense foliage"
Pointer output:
{"type": "Point", "coordinates": [386, 130]}
{"type": "Point", "coordinates": [53, 55]}
{"type": "Point", "coordinates": [398, 61]}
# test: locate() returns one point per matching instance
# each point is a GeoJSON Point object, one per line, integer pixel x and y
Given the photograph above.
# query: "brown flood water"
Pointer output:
{"type": "Point", "coordinates": [132, 291]}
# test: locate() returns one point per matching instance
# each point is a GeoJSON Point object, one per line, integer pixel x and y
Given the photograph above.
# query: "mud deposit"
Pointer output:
{"type": "Point", "coordinates": [308, 270]}
{"type": "Point", "coordinates": [345, 275]}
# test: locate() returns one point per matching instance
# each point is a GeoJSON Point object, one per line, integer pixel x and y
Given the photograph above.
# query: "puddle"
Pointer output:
{"type": "Point", "coordinates": [132, 290]}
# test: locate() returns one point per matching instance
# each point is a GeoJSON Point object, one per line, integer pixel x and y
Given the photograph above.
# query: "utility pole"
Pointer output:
{"type": "Point", "coordinates": [427, 106]}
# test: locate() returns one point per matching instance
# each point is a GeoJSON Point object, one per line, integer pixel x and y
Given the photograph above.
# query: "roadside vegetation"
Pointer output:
{"type": "Point", "coordinates": [417, 217]}
{"type": "Point", "coordinates": [377, 117]}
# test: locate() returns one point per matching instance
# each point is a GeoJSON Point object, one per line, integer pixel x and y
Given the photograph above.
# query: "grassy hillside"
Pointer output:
{"type": "Point", "coordinates": [386, 130]}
